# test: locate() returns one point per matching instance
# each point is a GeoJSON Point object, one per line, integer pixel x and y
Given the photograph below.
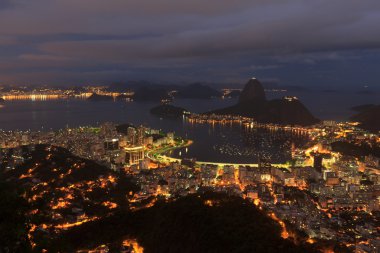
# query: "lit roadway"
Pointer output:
{"type": "Point", "coordinates": [156, 155]}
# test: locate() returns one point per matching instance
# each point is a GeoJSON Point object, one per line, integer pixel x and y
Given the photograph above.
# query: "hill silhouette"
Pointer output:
{"type": "Point", "coordinates": [168, 111]}
{"type": "Point", "coordinates": [369, 118]}
{"type": "Point", "coordinates": [97, 97]}
{"type": "Point", "coordinates": [207, 222]}
{"type": "Point", "coordinates": [253, 103]}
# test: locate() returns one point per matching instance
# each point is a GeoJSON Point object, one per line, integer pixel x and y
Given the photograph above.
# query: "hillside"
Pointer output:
{"type": "Point", "coordinates": [63, 190]}
{"type": "Point", "coordinates": [207, 222]}
{"type": "Point", "coordinates": [253, 103]}
{"type": "Point", "coordinates": [369, 118]}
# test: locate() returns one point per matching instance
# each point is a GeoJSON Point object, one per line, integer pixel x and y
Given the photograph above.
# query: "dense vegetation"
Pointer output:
{"type": "Point", "coordinates": [13, 221]}
{"type": "Point", "coordinates": [208, 222]}
{"type": "Point", "coordinates": [356, 150]}
{"type": "Point", "coordinates": [369, 118]}
{"type": "Point", "coordinates": [57, 187]}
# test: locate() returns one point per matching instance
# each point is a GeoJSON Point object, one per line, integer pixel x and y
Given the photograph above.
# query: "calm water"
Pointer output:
{"type": "Point", "coordinates": [210, 144]}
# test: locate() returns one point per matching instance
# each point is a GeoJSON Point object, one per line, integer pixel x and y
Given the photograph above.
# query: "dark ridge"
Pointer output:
{"type": "Point", "coordinates": [369, 118]}
{"type": "Point", "coordinates": [150, 93]}
{"type": "Point", "coordinates": [97, 97]}
{"type": "Point", "coordinates": [286, 111]}
{"type": "Point", "coordinates": [354, 149]}
{"type": "Point", "coordinates": [197, 90]}
{"type": "Point", "coordinates": [159, 92]}
{"type": "Point", "coordinates": [168, 111]}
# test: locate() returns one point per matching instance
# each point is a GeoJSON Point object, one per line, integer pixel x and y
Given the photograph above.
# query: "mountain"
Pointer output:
{"type": "Point", "coordinates": [197, 90]}
{"type": "Point", "coordinates": [159, 92]}
{"type": "Point", "coordinates": [150, 93]}
{"type": "Point", "coordinates": [253, 103]}
{"type": "Point", "coordinates": [369, 118]}
{"type": "Point", "coordinates": [206, 222]}
{"type": "Point", "coordinates": [253, 90]}
{"type": "Point", "coordinates": [168, 111]}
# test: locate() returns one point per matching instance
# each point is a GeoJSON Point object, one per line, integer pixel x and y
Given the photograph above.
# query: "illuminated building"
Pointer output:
{"type": "Point", "coordinates": [111, 144]}
{"type": "Point", "coordinates": [140, 136]}
{"type": "Point", "coordinates": [133, 155]}
{"type": "Point", "coordinates": [131, 135]}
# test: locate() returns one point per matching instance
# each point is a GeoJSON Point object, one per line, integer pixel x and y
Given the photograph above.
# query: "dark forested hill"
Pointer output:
{"type": "Point", "coordinates": [207, 222]}
{"type": "Point", "coordinates": [369, 118]}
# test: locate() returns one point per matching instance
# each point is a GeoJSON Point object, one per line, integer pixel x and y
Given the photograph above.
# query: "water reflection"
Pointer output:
{"type": "Point", "coordinates": [236, 143]}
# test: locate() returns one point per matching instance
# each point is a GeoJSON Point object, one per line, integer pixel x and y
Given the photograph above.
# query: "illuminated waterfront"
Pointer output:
{"type": "Point", "coordinates": [42, 97]}
{"type": "Point", "coordinates": [212, 142]}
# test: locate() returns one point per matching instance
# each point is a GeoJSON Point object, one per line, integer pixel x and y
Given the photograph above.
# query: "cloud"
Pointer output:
{"type": "Point", "coordinates": [143, 35]}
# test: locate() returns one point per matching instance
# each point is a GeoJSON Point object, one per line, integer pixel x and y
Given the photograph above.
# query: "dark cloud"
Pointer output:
{"type": "Point", "coordinates": [84, 40]}
{"type": "Point", "coordinates": [4, 4]}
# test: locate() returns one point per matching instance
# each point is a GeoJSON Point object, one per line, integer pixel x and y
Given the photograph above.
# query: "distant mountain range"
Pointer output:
{"type": "Point", "coordinates": [146, 91]}
{"type": "Point", "coordinates": [368, 116]}
{"type": "Point", "coordinates": [150, 92]}
{"type": "Point", "coordinates": [253, 103]}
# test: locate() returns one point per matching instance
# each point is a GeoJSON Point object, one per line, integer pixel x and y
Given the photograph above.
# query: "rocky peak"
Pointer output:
{"type": "Point", "coordinates": [253, 91]}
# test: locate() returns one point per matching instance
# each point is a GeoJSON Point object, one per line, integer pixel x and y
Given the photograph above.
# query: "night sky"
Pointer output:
{"type": "Point", "coordinates": [319, 43]}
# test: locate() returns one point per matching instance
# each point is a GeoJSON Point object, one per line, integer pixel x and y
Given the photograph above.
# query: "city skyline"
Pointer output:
{"type": "Point", "coordinates": [321, 44]}
{"type": "Point", "coordinates": [189, 126]}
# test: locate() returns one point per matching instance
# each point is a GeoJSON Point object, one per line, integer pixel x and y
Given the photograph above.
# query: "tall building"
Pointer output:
{"type": "Point", "coordinates": [140, 136]}
{"type": "Point", "coordinates": [133, 155]}
{"type": "Point", "coordinates": [131, 134]}
{"type": "Point", "coordinates": [318, 159]}
{"type": "Point", "coordinates": [111, 144]}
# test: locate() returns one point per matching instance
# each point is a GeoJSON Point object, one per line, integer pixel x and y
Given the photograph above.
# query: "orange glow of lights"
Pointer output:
{"type": "Point", "coordinates": [136, 248]}
{"type": "Point", "coordinates": [284, 232]}
{"type": "Point", "coordinates": [110, 205]}
{"type": "Point", "coordinates": [70, 225]}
